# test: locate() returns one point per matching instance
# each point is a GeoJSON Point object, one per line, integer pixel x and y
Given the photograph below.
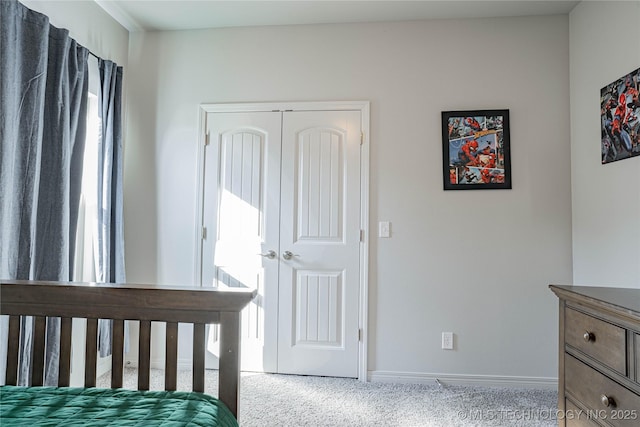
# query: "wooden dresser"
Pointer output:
{"type": "Point", "coordinates": [599, 362]}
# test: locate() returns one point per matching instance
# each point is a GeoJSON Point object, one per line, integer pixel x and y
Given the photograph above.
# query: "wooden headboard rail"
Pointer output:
{"type": "Point", "coordinates": [120, 302]}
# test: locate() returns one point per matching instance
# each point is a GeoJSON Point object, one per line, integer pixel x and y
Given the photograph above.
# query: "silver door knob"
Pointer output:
{"type": "Point", "coordinates": [288, 255]}
{"type": "Point", "coordinates": [270, 254]}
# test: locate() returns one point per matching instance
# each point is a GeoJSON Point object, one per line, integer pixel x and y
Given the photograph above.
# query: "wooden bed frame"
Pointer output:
{"type": "Point", "coordinates": [120, 302]}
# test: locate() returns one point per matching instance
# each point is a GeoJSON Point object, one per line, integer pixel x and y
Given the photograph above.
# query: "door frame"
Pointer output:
{"type": "Point", "coordinates": [364, 108]}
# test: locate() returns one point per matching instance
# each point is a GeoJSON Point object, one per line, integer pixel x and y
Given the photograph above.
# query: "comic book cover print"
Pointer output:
{"type": "Point", "coordinates": [476, 150]}
{"type": "Point", "coordinates": [620, 118]}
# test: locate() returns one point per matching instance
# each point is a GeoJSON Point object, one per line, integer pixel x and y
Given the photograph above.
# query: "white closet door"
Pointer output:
{"type": "Point", "coordinates": [241, 215]}
{"type": "Point", "coordinates": [320, 227]}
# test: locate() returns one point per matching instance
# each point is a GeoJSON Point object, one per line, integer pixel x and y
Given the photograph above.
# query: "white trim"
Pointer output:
{"type": "Point", "coordinates": [199, 220]}
{"type": "Point", "coordinates": [364, 108]}
{"type": "Point", "coordinates": [286, 106]}
{"type": "Point", "coordinates": [120, 15]}
{"type": "Point", "coordinates": [467, 380]}
{"type": "Point", "coordinates": [183, 364]}
{"type": "Point", "coordinates": [103, 365]}
{"type": "Point", "coordinates": [364, 245]}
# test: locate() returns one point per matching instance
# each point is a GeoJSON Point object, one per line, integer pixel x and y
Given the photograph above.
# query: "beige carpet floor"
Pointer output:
{"type": "Point", "coordinates": [268, 400]}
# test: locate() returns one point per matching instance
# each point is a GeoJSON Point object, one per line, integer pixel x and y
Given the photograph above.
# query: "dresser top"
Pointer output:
{"type": "Point", "coordinates": [622, 300]}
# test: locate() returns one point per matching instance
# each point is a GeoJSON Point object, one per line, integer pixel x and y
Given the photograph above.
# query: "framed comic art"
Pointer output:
{"type": "Point", "coordinates": [620, 118]}
{"type": "Point", "coordinates": [476, 150]}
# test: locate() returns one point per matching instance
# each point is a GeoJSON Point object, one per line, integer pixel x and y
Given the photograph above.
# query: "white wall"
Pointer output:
{"type": "Point", "coordinates": [605, 45]}
{"type": "Point", "coordinates": [474, 262]}
{"type": "Point", "coordinates": [89, 24]}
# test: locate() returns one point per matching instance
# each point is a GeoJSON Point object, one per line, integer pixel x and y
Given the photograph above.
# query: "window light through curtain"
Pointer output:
{"type": "Point", "coordinates": [86, 238]}
{"type": "Point", "coordinates": [85, 256]}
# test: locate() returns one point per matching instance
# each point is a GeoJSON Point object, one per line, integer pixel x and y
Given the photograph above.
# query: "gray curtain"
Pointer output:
{"type": "Point", "coordinates": [44, 82]}
{"type": "Point", "coordinates": [110, 251]}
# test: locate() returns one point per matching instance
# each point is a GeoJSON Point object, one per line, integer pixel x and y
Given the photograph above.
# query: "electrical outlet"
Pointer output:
{"type": "Point", "coordinates": [447, 340]}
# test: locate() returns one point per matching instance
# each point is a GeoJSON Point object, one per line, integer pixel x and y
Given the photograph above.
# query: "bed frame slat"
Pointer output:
{"type": "Point", "coordinates": [117, 353]}
{"type": "Point", "coordinates": [37, 358]}
{"type": "Point", "coordinates": [144, 354]}
{"type": "Point", "coordinates": [171, 357]}
{"type": "Point", "coordinates": [64, 369]}
{"type": "Point", "coordinates": [91, 348]}
{"type": "Point", "coordinates": [11, 377]}
{"type": "Point", "coordinates": [198, 357]}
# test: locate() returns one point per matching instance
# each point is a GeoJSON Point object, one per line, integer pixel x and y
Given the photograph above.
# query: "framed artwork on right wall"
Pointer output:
{"type": "Point", "coordinates": [620, 118]}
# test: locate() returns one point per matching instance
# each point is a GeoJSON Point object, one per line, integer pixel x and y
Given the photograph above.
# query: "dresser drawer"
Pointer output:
{"type": "Point", "coordinates": [601, 340]}
{"type": "Point", "coordinates": [575, 417]}
{"type": "Point", "coordinates": [637, 353]}
{"type": "Point", "coordinates": [591, 387]}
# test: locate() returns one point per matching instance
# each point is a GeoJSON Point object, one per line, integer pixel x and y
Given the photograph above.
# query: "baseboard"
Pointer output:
{"type": "Point", "coordinates": [158, 363]}
{"type": "Point", "coordinates": [467, 380]}
{"type": "Point", "coordinates": [399, 377]}
{"type": "Point", "coordinates": [103, 366]}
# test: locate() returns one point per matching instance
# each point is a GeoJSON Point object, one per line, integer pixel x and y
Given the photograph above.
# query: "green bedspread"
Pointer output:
{"type": "Point", "coordinates": [68, 407]}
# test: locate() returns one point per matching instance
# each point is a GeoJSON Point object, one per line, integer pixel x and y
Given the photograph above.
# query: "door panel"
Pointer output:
{"type": "Point", "coordinates": [318, 307]}
{"type": "Point", "coordinates": [320, 226]}
{"type": "Point", "coordinates": [241, 213]}
{"type": "Point", "coordinates": [319, 210]}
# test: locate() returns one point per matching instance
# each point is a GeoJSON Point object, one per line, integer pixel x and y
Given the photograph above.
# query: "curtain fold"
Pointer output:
{"type": "Point", "coordinates": [110, 247]}
{"type": "Point", "coordinates": [44, 82]}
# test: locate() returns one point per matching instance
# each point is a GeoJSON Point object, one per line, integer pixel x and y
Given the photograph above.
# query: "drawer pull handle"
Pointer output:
{"type": "Point", "coordinates": [607, 401]}
{"type": "Point", "coordinates": [588, 336]}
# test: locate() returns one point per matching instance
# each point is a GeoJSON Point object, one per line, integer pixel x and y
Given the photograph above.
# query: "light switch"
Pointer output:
{"type": "Point", "coordinates": [384, 229]}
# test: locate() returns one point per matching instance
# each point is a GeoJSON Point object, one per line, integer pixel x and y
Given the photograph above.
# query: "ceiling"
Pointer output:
{"type": "Point", "coordinates": [158, 15]}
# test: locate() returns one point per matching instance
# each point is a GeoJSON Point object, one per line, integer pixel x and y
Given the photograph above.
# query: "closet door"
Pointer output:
{"type": "Point", "coordinates": [319, 243]}
{"type": "Point", "coordinates": [241, 214]}
{"type": "Point", "coordinates": [282, 215]}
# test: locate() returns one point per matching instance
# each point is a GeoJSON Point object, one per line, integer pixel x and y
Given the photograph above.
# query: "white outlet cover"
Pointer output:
{"type": "Point", "coordinates": [447, 340]}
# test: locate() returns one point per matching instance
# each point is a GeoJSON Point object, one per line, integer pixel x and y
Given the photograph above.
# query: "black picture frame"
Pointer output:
{"type": "Point", "coordinates": [620, 118]}
{"type": "Point", "coordinates": [476, 150]}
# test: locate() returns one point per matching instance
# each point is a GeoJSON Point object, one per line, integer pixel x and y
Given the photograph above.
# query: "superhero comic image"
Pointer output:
{"type": "Point", "coordinates": [620, 118]}
{"type": "Point", "coordinates": [476, 149]}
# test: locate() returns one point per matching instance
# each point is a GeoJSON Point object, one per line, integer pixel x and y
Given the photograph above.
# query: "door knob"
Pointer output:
{"type": "Point", "coordinates": [288, 255]}
{"type": "Point", "coordinates": [270, 254]}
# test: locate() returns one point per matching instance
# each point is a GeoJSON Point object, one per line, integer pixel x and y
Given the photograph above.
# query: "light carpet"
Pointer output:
{"type": "Point", "coordinates": [268, 400]}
